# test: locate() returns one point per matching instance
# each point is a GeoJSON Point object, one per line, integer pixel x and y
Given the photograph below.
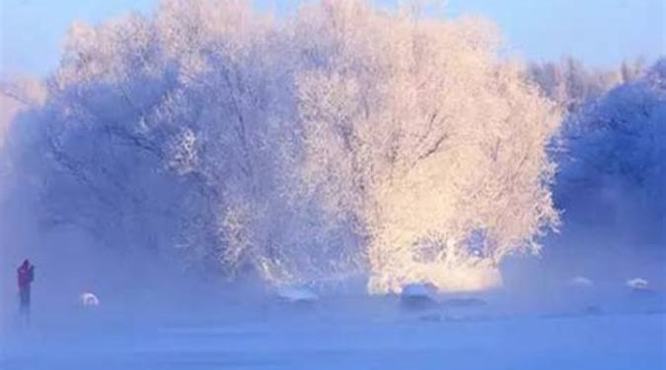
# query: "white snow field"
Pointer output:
{"type": "Point", "coordinates": [352, 332]}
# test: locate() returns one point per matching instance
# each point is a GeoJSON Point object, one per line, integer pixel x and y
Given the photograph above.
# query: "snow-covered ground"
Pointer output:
{"type": "Point", "coordinates": [352, 332]}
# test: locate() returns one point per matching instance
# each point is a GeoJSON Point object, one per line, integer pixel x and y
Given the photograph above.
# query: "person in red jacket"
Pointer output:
{"type": "Point", "coordinates": [26, 274]}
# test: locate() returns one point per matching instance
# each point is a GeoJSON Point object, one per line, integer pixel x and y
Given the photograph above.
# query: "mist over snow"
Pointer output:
{"type": "Point", "coordinates": [210, 171]}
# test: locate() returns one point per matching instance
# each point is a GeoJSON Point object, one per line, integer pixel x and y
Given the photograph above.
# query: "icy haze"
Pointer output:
{"type": "Point", "coordinates": [212, 177]}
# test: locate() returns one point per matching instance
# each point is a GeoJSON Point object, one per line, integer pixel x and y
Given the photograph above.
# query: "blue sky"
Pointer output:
{"type": "Point", "coordinates": [600, 32]}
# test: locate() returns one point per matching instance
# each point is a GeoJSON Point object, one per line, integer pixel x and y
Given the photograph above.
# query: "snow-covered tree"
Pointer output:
{"type": "Point", "coordinates": [614, 159]}
{"type": "Point", "coordinates": [341, 139]}
{"type": "Point", "coordinates": [573, 85]}
{"type": "Point", "coordinates": [173, 131]}
{"type": "Point", "coordinates": [417, 132]}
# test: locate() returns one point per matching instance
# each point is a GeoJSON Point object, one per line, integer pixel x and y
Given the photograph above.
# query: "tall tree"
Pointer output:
{"type": "Point", "coordinates": [416, 131]}
{"type": "Point", "coordinates": [344, 139]}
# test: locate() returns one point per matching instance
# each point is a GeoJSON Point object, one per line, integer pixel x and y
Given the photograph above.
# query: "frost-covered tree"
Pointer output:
{"type": "Point", "coordinates": [172, 132]}
{"type": "Point", "coordinates": [417, 132]}
{"type": "Point", "coordinates": [344, 138]}
{"type": "Point", "coordinates": [614, 159]}
{"type": "Point", "coordinates": [573, 85]}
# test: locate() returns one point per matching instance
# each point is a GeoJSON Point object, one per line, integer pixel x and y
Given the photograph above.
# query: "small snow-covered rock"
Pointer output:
{"type": "Point", "coordinates": [88, 299]}
{"type": "Point", "coordinates": [418, 295]}
{"type": "Point", "coordinates": [296, 294]}
{"type": "Point", "coordinates": [420, 290]}
{"type": "Point", "coordinates": [637, 284]}
{"type": "Point", "coordinates": [581, 282]}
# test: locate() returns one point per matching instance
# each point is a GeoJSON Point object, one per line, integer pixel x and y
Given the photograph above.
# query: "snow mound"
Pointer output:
{"type": "Point", "coordinates": [88, 299]}
{"type": "Point", "coordinates": [296, 294]}
{"type": "Point", "coordinates": [419, 290]}
{"type": "Point", "coordinates": [637, 284]}
{"type": "Point", "coordinates": [581, 282]}
{"type": "Point", "coordinates": [418, 295]}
